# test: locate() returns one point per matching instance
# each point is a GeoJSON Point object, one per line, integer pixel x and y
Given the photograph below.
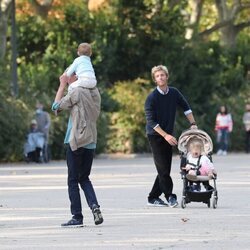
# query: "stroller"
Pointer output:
{"type": "Point", "coordinates": [33, 147]}
{"type": "Point", "coordinates": [35, 144]}
{"type": "Point", "coordinates": [188, 194]}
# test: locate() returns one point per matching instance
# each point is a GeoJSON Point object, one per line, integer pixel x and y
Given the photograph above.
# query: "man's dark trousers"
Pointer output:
{"type": "Point", "coordinates": [162, 153]}
{"type": "Point", "coordinates": [79, 166]}
{"type": "Point", "coordinates": [248, 141]}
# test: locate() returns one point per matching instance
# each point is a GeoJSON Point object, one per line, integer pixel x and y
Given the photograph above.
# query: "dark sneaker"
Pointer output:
{"type": "Point", "coordinates": [172, 202]}
{"type": "Point", "coordinates": [97, 215]}
{"type": "Point", "coordinates": [157, 203]}
{"type": "Point", "coordinates": [73, 223]}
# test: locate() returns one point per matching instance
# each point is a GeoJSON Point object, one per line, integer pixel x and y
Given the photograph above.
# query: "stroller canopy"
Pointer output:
{"type": "Point", "coordinates": [198, 134]}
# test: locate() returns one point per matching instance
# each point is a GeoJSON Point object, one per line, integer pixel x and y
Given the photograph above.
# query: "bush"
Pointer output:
{"type": "Point", "coordinates": [14, 122]}
{"type": "Point", "coordinates": [57, 134]}
{"type": "Point", "coordinates": [127, 122]}
{"type": "Point", "coordinates": [103, 131]}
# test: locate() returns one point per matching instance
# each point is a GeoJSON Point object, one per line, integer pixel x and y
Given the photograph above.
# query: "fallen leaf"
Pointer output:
{"type": "Point", "coordinates": [184, 219]}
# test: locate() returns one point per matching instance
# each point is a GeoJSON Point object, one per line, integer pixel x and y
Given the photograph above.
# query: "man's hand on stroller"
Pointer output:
{"type": "Point", "coordinates": [194, 126]}
{"type": "Point", "coordinates": [170, 139]}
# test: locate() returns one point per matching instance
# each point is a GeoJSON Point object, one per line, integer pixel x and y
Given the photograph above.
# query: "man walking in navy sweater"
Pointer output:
{"type": "Point", "coordinates": [160, 110]}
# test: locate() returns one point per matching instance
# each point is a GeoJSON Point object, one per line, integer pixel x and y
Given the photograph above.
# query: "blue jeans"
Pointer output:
{"type": "Point", "coordinates": [222, 139]}
{"type": "Point", "coordinates": [79, 166]}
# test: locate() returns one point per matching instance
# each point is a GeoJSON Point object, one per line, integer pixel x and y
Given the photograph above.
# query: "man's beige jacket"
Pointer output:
{"type": "Point", "coordinates": [84, 105]}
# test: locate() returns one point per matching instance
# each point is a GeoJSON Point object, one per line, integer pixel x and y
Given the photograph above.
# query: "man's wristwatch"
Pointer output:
{"type": "Point", "coordinates": [193, 123]}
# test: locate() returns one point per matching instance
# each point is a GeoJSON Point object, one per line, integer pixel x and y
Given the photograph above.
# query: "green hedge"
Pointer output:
{"type": "Point", "coordinates": [14, 122]}
{"type": "Point", "coordinates": [127, 121]}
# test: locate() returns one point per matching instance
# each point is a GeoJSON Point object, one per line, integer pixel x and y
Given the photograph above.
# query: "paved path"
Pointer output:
{"type": "Point", "coordinates": [34, 202]}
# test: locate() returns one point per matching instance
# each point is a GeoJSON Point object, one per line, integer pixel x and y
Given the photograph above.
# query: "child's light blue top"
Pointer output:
{"type": "Point", "coordinates": [82, 66]}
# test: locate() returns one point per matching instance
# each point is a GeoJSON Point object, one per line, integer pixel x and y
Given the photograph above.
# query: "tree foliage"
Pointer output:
{"type": "Point", "coordinates": [14, 121]}
{"type": "Point", "coordinates": [128, 39]}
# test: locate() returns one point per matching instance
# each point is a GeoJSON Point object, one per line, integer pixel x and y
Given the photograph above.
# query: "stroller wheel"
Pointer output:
{"type": "Point", "coordinates": [215, 202]}
{"type": "Point", "coordinates": [183, 203]}
{"type": "Point", "coordinates": [208, 203]}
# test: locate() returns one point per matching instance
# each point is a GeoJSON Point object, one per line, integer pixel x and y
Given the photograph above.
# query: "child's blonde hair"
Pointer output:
{"type": "Point", "coordinates": [158, 68]}
{"type": "Point", "coordinates": [84, 49]}
{"type": "Point", "coordinates": [195, 143]}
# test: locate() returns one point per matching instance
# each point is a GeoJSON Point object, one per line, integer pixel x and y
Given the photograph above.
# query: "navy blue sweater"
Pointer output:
{"type": "Point", "coordinates": [161, 109]}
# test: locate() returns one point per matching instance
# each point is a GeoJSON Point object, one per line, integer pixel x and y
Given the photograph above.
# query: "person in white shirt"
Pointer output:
{"type": "Point", "coordinates": [246, 122]}
{"type": "Point", "coordinates": [223, 126]}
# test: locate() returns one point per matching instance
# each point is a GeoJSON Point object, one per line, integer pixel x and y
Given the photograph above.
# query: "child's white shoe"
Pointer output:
{"type": "Point", "coordinates": [219, 152]}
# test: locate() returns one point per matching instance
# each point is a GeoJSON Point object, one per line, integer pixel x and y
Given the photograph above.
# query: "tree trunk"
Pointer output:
{"type": "Point", "coordinates": [3, 31]}
{"type": "Point", "coordinates": [196, 7]}
{"type": "Point", "coordinates": [229, 35]}
{"type": "Point", "coordinates": [228, 15]}
{"type": "Point", "coordinates": [4, 13]}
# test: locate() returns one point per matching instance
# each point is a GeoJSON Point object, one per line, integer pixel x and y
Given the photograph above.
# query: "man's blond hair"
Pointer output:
{"type": "Point", "coordinates": [84, 49]}
{"type": "Point", "coordinates": [158, 68]}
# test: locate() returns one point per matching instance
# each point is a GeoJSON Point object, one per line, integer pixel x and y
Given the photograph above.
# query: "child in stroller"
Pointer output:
{"type": "Point", "coordinates": [33, 147]}
{"type": "Point", "coordinates": [197, 167]}
{"type": "Point", "coordinates": [198, 164]}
